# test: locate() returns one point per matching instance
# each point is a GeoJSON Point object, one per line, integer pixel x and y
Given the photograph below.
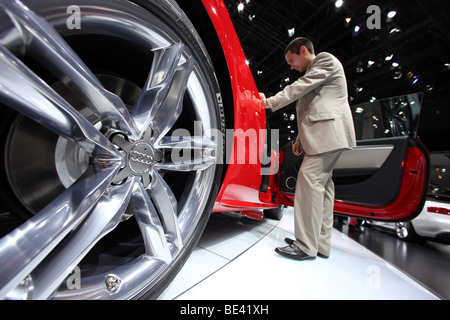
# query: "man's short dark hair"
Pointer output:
{"type": "Point", "coordinates": [297, 43]}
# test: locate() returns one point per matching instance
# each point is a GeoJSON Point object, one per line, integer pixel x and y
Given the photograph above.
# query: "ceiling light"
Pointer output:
{"type": "Point", "coordinates": [359, 68]}
{"type": "Point", "coordinates": [291, 32]}
{"type": "Point", "coordinates": [391, 14]}
{"type": "Point", "coordinates": [395, 64]}
{"type": "Point", "coordinates": [356, 31]}
{"type": "Point", "coordinates": [240, 7]}
{"type": "Point", "coordinates": [389, 58]}
{"type": "Point", "coordinates": [339, 3]}
{"type": "Point", "coordinates": [395, 30]}
{"type": "Point", "coordinates": [398, 75]}
{"type": "Point", "coordinates": [370, 63]}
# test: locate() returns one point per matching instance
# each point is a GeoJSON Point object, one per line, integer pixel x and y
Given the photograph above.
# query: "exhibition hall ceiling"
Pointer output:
{"type": "Point", "coordinates": [387, 48]}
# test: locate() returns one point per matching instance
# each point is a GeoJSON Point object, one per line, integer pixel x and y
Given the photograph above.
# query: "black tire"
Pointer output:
{"type": "Point", "coordinates": [275, 214]}
{"type": "Point", "coordinates": [156, 195]}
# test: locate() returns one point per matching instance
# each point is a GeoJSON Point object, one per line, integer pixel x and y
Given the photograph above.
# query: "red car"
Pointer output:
{"type": "Point", "coordinates": [126, 123]}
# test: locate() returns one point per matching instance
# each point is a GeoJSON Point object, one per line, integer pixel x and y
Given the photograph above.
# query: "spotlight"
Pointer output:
{"type": "Point", "coordinates": [398, 75]}
{"type": "Point", "coordinates": [391, 14]}
{"type": "Point", "coordinates": [356, 30]}
{"type": "Point", "coordinates": [291, 32]}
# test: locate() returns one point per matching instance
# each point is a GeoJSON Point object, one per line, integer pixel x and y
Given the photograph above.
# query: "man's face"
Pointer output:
{"type": "Point", "coordinates": [296, 61]}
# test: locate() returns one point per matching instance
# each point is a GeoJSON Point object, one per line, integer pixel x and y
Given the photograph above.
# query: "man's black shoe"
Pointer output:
{"type": "Point", "coordinates": [293, 252]}
{"type": "Point", "coordinates": [289, 241]}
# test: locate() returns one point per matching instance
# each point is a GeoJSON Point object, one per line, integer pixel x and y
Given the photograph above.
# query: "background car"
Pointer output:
{"type": "Point", "coordinates": [434, 220]}
{"type": "Point", "coordinates": [124, 124]}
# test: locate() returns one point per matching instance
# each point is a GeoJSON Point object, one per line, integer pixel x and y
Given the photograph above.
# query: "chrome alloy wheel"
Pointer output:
{"type": "Point", "coordinates": [108, 151]}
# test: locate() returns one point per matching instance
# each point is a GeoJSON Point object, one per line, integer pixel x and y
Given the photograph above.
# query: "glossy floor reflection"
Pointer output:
{"type": "Point", "coordinates": [423, 259]}
{"type": "Point", "coordinates": [235, 259]}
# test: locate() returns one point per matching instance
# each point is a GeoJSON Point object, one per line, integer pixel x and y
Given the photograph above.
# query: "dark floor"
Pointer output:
{"type": "Point", "coordinates": [426, 261]}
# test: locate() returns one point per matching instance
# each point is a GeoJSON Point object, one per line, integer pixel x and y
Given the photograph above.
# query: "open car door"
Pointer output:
{"type": "Point", "coordinates": [386, 176]}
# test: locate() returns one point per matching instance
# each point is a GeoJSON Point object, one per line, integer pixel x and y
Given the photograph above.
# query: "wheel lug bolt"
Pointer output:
{"type": "Point", "coordinates": [112, 283]}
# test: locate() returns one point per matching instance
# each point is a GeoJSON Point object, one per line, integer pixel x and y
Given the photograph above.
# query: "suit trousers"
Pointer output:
{"type": "Point", "coordinates": [314, 202]}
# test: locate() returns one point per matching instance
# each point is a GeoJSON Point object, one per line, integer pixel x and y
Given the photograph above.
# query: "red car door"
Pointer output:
{"type": "Point", "coordinates": [386, 176]}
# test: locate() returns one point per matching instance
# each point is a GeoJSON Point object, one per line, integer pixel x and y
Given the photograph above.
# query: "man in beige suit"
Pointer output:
{"type": "Point", "coordinates": [325, 129]}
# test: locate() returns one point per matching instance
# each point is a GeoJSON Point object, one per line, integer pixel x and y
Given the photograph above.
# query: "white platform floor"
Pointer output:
{"type": "Point", "coordinates": [235, 260]}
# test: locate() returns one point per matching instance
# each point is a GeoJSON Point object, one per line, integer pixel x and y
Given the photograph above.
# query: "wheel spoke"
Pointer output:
{"type": "Point", "coordinates": [30, 96]}
{"type": "Point", "coordinates": [24, 248]}
{"type": "Point", "coordinates": [59, 58]}
{"type": "Point", "coordinates": [156, 89]}
{"type": "Point", "coordinates": [187, 153]}
{"type": "Point", "coordinates": [166, 204]}
{"type": "Point", "coordinates": [150, 224]}
{"type": "Point", "coordinates": [172, 106]}
{"type": "Point", "coordinates": [104, 218]}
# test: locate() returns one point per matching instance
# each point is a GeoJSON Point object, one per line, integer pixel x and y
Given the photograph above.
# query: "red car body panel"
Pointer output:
{"type": "Point", "coordinates": [240, 188]}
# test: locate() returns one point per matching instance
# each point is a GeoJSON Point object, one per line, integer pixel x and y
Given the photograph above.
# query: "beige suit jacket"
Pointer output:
{"type": "Point", "coordinates": [324, 118]}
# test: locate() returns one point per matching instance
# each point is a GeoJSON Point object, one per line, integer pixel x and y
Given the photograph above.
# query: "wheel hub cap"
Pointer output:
{"type": "Point", "coordinates": [140, 158]}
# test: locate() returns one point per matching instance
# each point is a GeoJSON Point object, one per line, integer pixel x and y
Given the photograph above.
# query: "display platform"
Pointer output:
{"type": "Point", "coordinates": [235, 260]}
